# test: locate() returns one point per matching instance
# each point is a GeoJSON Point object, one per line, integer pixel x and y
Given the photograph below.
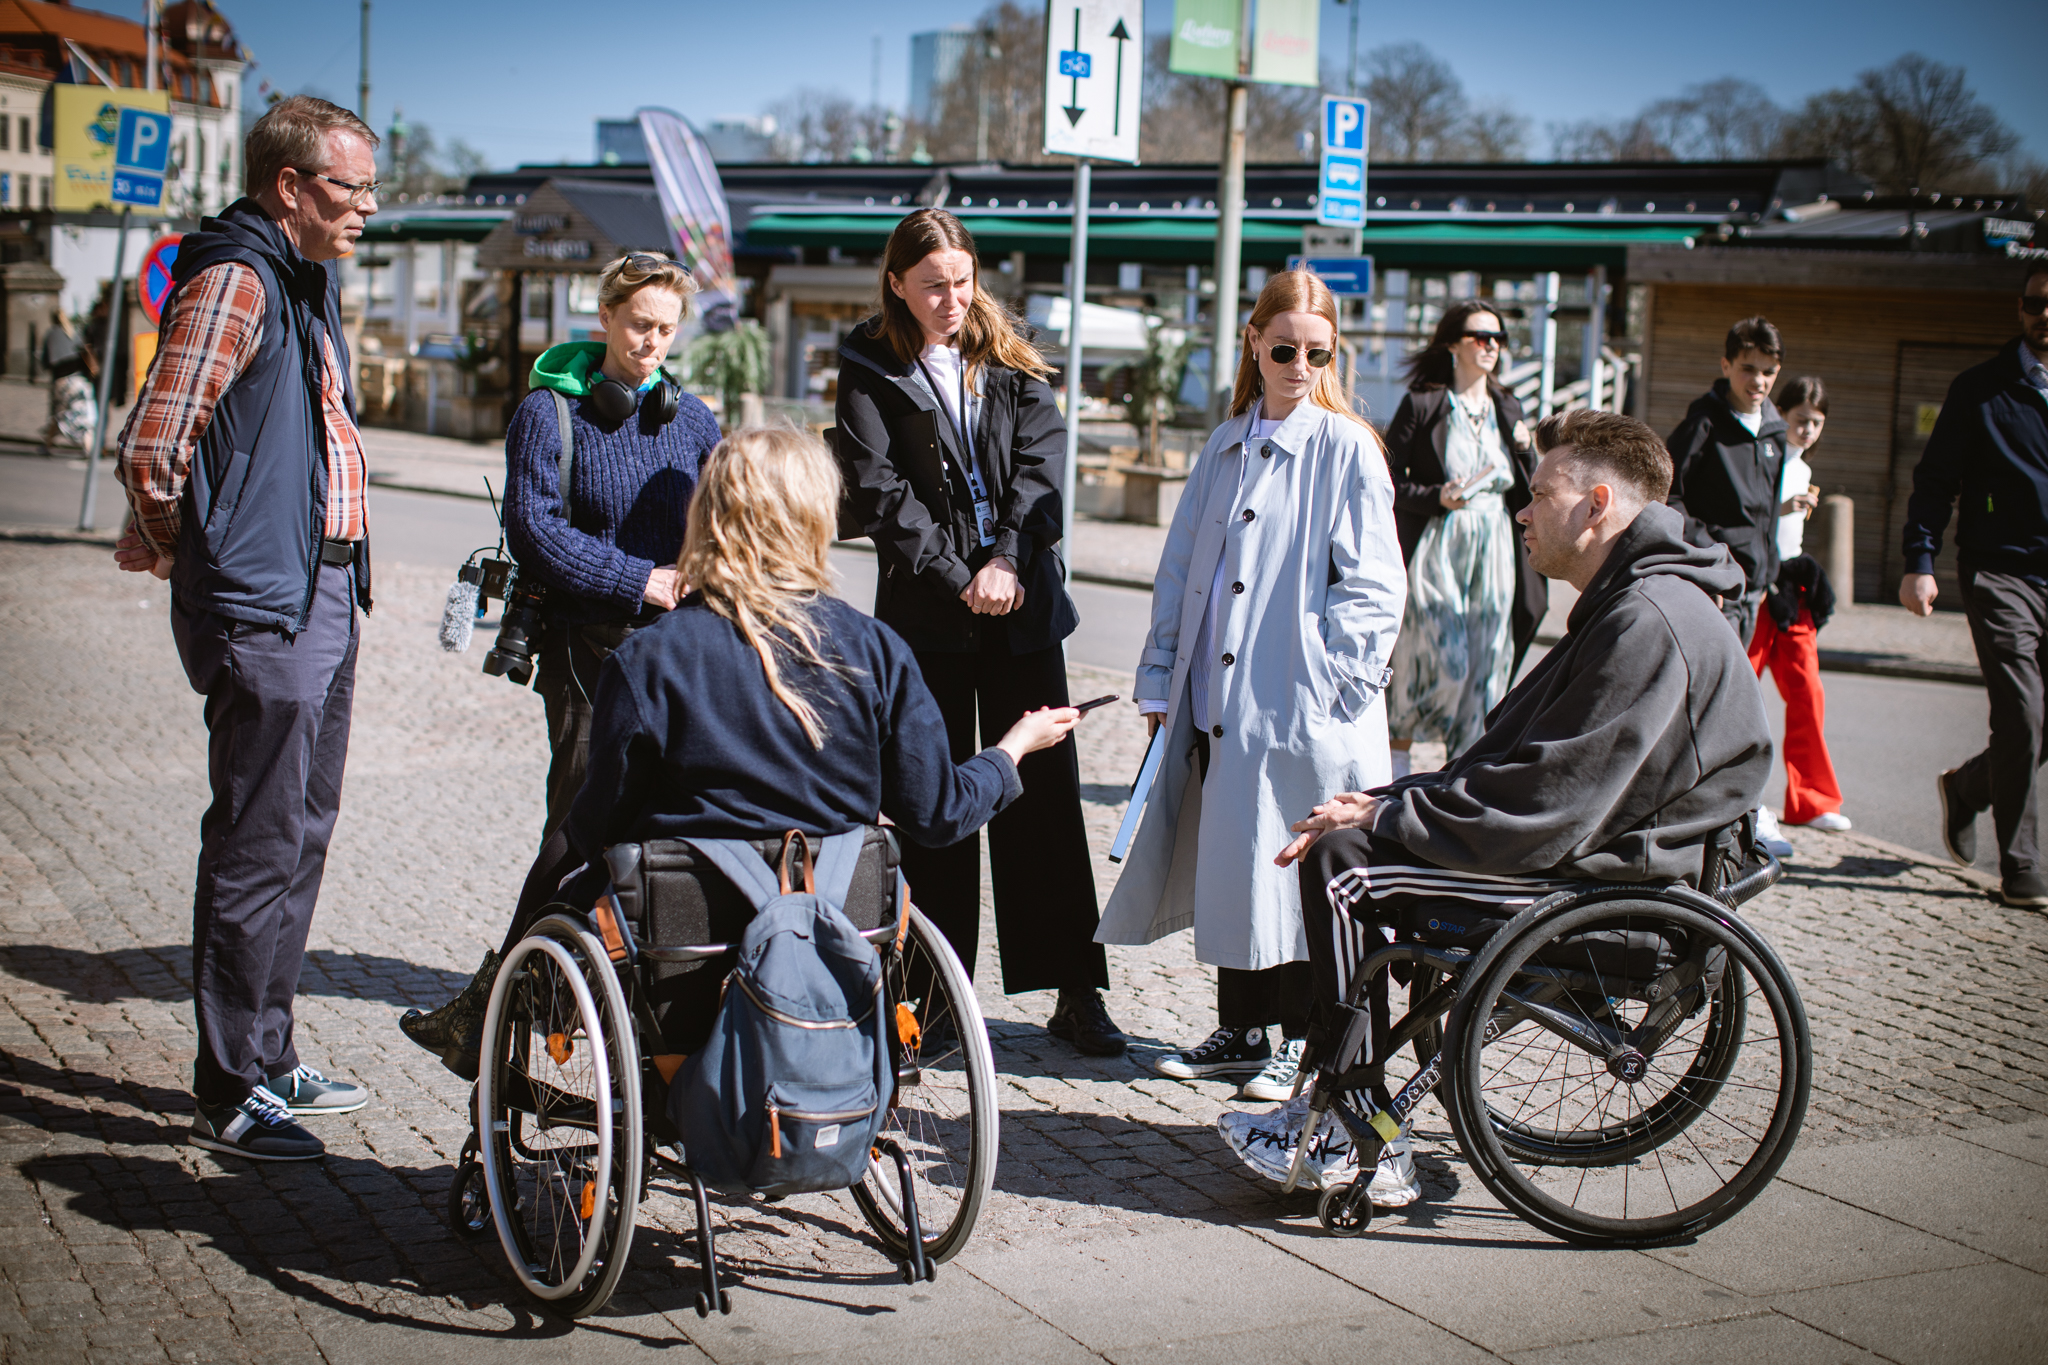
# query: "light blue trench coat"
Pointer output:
{"type": "Point", "coordinates": [1311, 537]}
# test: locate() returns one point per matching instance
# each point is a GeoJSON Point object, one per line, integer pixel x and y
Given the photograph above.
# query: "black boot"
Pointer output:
{"type": "Point", "coordinates": [455, 1032]}
{"type": "Point", "coordinates": [1081, 1019]}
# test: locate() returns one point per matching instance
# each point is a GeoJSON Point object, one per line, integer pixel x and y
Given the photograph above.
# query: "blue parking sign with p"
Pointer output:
{"type": "Point", "coordinates": [1340, 193]}
{"type": "Point", "coordinates": [142, 154]}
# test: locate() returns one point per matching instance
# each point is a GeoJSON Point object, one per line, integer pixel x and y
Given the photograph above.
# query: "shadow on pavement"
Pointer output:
{"type": "Point", "coordinates": [165, 973]}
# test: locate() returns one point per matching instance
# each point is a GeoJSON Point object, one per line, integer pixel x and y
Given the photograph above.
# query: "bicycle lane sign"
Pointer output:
{"type": "Point", "coordinates": [1340, 187]}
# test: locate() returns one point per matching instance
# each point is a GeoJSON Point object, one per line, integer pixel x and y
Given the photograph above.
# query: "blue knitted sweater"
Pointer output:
{"type": "Point", "coordinates": [629, 494]}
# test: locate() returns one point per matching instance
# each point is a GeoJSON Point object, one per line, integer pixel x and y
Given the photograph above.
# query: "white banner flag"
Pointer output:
{"type": "Point", "coordinates": [692, 199]}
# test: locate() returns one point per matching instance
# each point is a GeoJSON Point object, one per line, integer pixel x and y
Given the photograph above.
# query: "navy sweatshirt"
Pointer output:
{"type": "Point", "coordinates": [687, 740]}
{"type": "Point", "coordinates": [629, 496]}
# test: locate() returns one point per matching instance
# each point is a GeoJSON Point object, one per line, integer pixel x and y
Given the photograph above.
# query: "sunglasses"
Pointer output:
{"type": "Point", "coordinates": [1488, 338]}
{"type": "Point", "coordinates": [2034, 307]}
{"type": "Point", "coordinates": [1284, 354]}
{"type": "Point", "coordinates": [357, 194]}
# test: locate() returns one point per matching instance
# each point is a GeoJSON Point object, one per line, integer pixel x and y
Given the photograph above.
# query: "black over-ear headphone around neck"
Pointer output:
{"type": "Point", "coordinates": [615, 402]}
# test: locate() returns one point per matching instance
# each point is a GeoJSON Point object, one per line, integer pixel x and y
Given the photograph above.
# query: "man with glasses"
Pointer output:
{"type": "Point", "coordinates": [1989, 454]}
{"type": "Point", "coordinates": [244, 471]}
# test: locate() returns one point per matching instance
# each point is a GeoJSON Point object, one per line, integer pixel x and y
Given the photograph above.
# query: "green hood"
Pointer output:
{"type": "Point", "coordinates": [570, 368]}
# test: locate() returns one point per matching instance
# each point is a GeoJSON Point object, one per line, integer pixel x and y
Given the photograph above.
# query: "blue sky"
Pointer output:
{"type": "Point", "coordinates": [522, 80]}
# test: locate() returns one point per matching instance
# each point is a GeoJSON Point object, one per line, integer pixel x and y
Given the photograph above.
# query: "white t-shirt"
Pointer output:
{"type": "Point", "coordinates": [1752, 422]}
{"type": "Point", "coordinates": [1798, 477]}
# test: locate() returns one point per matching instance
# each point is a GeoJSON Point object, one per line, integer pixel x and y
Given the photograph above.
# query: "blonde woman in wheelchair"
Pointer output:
{"type": "Point", "coordinates": [760, 705]}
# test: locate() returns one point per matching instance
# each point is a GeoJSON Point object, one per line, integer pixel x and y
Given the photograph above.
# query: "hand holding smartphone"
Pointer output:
{"type": "Point", "coordinates": [1085, 707]}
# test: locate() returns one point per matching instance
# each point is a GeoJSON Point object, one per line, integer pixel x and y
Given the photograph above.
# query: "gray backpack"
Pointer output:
{"type": "Point", "coordinates": [790, 1090]}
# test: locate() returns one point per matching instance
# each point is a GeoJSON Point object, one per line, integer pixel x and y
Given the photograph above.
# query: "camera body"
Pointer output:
{"type": "Point", "coordinates": [520, 632]}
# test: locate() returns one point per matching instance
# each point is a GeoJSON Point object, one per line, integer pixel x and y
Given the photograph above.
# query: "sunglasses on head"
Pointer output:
{"type": "Point", "coordinates": [1488, 338]}
{"type": "Point", "coordinates": [1283, 354]}
{"type": "Point", "coordinates": [2034, 307]}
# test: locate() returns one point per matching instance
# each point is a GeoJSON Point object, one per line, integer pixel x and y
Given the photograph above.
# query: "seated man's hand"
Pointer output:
{"type": "Point", "coordinates": [1352, 810]}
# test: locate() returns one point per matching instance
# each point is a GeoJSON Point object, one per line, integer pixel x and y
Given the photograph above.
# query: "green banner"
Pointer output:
{"type": "Point", "coordinates": [1205, 37]}
{"type": "Point", "coordinates": [1284, 34]}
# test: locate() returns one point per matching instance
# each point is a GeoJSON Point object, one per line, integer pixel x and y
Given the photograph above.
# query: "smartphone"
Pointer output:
{"type": "Point", "coordinates": [1088, 706]}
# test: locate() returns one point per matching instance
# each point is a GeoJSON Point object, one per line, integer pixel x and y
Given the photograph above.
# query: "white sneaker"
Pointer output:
{"type": "Point", "coordinates": [1276, 1080]}
{"type": "Point", "coordinates": [1829, 820]}
{"type": "Point", "coordinates": [1769, 835]}
{"type": "Point", "coordinates": [1395, 1185]}
{"type": "Point", "coordinates": [1266, 1143]}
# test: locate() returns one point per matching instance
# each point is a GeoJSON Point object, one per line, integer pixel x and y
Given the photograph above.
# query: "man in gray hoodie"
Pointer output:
{"type": "Point", "coordinates": [1640, 734]}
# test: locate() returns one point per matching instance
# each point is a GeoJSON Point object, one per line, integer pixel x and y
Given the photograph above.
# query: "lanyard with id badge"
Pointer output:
{"type": "Point", "coordinates": [984, 508]}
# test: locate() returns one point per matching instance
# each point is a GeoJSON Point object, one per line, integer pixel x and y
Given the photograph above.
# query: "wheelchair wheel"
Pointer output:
{"type": "Point", "coordinates": [559, 1092]}
{"type": "Point", "coordinates": [1615, 1104]}
{"type": "Point", "coordinates": [946, 1120]}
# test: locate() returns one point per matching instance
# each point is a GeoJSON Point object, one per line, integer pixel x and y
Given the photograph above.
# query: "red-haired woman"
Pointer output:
{"type": "Point", "coordinates": [1274, 613]}
{"type": "Point", "coordinates": [951, 444]}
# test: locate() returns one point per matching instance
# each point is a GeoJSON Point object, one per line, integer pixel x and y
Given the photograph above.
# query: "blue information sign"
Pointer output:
{"type": "Point", "coordinates": [1343, 274]}
{"type": "Point", "coordinates": [142, 153]}
{"type": "Point", "coordinates": [1340, 191]}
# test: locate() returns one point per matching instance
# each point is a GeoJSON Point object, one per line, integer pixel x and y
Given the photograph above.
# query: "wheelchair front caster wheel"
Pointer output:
{"type": "Point", "coordinates": [724, 1303]}
{"type": "Point", "coordinates": [1345, 1211]}
{"type": "Point", "coordinates": [469, 1202]}
{"type": "Point", "coordinates": [703, 1304]}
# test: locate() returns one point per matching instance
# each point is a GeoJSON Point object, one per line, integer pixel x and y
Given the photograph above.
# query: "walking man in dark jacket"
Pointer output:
{"type": "Point", "coordinates": [1990, 451]}
{"type": "Point", "coordinates": [1727, 457]}
{"type": "Point", "coordinates": [1636, 738]}
{"type": "Point", "coordinates": [244, 470]}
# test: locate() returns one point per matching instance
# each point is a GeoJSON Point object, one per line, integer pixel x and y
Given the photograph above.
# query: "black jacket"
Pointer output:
{"type": "Point", "coordinates": [687, 740]}
{"type": "Point", "coordinates": [1415, 454]}
{"type": "Point", "coordinates": [1990, 448]}
{"type": "Point", "coordinates": [255, 501]}
{"type": "Point", "coordinates": [905, 489]}
{"type": "Point", "coordinates": [1627, 745]}
{"type": "Point", "coordinates": [1725, 483]}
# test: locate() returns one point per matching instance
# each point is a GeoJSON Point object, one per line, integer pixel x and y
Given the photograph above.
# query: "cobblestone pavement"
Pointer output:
{"type": "Point", "coordinates": [119, 1242]}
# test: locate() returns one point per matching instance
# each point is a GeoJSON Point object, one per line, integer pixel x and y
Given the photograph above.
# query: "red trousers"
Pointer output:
{"type": "Point", "coordinates": [1793, 656]}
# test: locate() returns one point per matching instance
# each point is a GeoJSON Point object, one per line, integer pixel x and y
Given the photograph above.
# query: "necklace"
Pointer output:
{"type": "Point", "coordinates": [1474, 414]}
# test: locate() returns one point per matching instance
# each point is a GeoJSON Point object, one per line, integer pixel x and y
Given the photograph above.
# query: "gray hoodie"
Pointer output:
{"type": "Point", "coordinates": [1638, 735]}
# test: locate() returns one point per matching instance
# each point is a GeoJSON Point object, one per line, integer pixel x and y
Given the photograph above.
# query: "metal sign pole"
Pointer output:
{"type": "Point", "coordinates": [99, 427]}
{"type": "Point", "coordinates": [1076, 298]}
{"type": "Point", "coordinates": [1229, 253]}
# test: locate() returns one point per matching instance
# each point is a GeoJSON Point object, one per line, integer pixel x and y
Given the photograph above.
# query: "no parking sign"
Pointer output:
{"type": "Point", "coordinates": [154, 279]}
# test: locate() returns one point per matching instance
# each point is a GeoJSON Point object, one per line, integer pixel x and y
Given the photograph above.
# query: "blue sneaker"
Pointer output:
{"type": "Point", "coordinates": [307, 1092]}
{"type": "Point", "coordinates": [257, 1128]}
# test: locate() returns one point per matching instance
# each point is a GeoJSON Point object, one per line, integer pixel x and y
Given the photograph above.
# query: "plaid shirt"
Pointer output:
{"type": "Point", "coordinates": [212, 332]}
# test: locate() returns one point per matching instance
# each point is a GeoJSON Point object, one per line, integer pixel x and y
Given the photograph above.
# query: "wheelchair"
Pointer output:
{"type": "Point", "coordinates": [569, 1113]}
{"type": "Point", "coordinates": [1624, 1065]}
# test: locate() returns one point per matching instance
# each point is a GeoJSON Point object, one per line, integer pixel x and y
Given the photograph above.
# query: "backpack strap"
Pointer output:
{"type": "Point", "coordinates": [742, 865]}
{"type": "Point", "coordinates": [838, 856]}
{"type": "Point", "coordinates": [565, 463]}
{"type": "Point", "coordinates": [746, 869]}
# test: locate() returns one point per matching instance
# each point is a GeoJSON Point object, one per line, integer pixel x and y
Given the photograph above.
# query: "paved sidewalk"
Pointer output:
{"type": "Point", "coordinates": [1911, 1223]}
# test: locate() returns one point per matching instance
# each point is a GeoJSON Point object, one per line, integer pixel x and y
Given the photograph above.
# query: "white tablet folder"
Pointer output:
{"type": "Point", "coordinates": [1148, 771]}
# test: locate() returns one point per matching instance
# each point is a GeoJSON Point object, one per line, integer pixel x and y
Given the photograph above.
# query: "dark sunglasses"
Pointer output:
{"type": "Point", "coordinates": [642, 260]}
{"type": "Point", "coordinates": [1284, 354]}
{"type": "Point", "coordinates": [1488, 338]}
{"type": "Point", "coordinates": [2034, 307]}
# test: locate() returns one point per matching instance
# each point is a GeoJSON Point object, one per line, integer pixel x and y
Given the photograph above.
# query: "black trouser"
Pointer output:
{"type": "Point", "coordinates": [568, 668]}
{"type": "Point", "coordinates": [277, 719]}
{"type": "Point", "coordinates": [1038, 848]}
{"type": "Point", "coordinates": [2009, 624]}
{"type": "Point", "coordinates": [1271, 995]}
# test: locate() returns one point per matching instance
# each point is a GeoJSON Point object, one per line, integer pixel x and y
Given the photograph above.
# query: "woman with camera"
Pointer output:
{"type": "Point", "coordinates": [602, 547]}
{"type": "Point", "coordinates": [951, 442]}
{"type": "Point", "coordinates": [1461, 459]}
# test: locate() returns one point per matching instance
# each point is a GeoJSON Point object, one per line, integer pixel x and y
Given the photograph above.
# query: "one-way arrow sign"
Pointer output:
{"type": "Point", "coordinates": [1094, 73]}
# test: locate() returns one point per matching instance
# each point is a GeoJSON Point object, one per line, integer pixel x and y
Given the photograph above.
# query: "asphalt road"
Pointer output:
{"type": "Point", "coordinates": [1889, 736]}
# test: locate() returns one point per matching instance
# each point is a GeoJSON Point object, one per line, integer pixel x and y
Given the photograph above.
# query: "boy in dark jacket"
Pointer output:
{"type": "Point", "coordinates": [1636, 738]}
{"type": "Point", "coordinates": [1989, 452]}
{"type": "Point", "coordinates": [1726, 457]}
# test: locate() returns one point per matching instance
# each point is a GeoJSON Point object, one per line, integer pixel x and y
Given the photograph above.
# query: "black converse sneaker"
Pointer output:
{"type": "Point", "coordinates": [258, 1128]}
{"type": "Point", "coordinates": [1226, 1052]}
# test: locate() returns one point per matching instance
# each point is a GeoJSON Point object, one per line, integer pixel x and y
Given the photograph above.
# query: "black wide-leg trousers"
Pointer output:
{"type": "Point", "coordinates": [2009, 625]}
{"type": "Point", "coordinates": [277, 720]}
{"type": "Point", "coordinates": [1045, 904]}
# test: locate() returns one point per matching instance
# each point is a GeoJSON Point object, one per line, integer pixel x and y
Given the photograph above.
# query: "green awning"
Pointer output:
{"type": "Point", "coordinates": [1461, 245]}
